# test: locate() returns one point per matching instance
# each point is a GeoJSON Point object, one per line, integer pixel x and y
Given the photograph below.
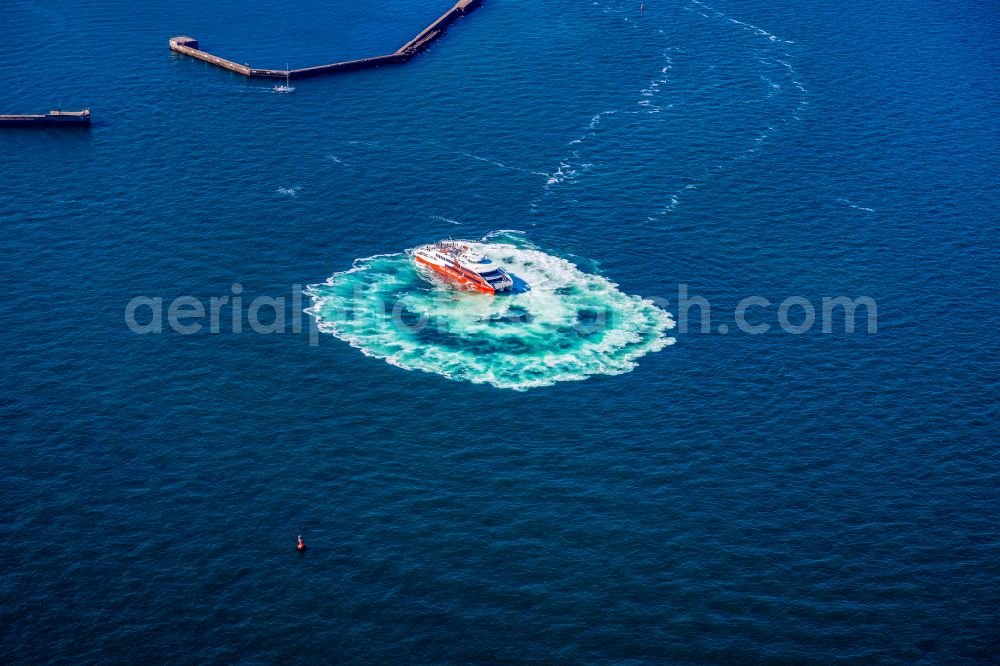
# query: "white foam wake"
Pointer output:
{"type": "Point", "coordinates": [568, 325]}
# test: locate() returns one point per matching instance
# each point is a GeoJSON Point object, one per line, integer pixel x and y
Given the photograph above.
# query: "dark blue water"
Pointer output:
{"type": "Point", "coordinates": [732, 498]}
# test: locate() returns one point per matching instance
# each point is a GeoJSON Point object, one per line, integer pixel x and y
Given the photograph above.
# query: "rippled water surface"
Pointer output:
{"type": "Point", "coordinates": [820, 497]}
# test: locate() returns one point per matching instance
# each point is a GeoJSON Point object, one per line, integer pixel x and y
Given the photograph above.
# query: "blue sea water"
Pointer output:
{"type": "Point", "coordinates": [730, 498]}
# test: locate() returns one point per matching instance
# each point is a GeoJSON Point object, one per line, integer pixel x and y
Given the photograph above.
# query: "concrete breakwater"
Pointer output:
{"type": "Point", "coordinates": [189, 46]}
{"type": "Point", "coordinates": [54, 118]}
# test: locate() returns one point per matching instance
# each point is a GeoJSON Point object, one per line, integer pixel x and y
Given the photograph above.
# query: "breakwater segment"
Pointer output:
{"type": "Point", "coordinates": [189, 46]}
{"type": "Point", "coordinates": [54, 118]}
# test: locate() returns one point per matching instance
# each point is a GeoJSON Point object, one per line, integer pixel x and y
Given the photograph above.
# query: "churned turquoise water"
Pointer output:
{"type": "Point", "coordinates": [556, 323]}
{"type": "Point", "coordinates": [582, 472]}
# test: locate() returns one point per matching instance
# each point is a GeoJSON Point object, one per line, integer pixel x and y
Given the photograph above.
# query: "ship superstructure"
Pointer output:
{"type": "Point", "coordinates": [456, 261]}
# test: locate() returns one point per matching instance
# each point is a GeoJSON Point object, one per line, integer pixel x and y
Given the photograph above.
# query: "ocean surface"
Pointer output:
{"type": "Point", "coordinates": [582, 472]}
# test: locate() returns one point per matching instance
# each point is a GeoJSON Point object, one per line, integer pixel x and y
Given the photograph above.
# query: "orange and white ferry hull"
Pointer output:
{"type": "Point", "coordinates": [460, 264]}
{"type": "Point", "coordinates": [458, 275]}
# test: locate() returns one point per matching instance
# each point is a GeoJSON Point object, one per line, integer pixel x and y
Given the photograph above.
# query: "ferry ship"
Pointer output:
{"type": "Point", "coordinates": [457, 262]}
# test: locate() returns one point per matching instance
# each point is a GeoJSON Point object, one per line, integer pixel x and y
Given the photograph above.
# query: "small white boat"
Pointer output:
{"type": "Point", "coordinates": [285, 87]}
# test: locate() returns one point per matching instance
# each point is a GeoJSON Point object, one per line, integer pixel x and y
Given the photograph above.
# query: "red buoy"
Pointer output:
{"type": "Point", "coordinates": [302, 544]}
